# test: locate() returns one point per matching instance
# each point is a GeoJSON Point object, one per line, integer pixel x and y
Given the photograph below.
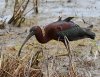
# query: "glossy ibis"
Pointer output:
{"type": "Point", "coordinates": [59, 29]}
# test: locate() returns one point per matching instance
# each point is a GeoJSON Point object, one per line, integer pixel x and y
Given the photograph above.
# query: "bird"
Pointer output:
{"type": "Point", "coordinates": [59, 29]}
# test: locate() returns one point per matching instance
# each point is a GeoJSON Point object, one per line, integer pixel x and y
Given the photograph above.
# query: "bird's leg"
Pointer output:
{"type": "Point", "coordinates": [69, 51]}
{"type": "Point", "coordinates": [71, 68]}
{"type": "Point", "coordinates": [66, 43]}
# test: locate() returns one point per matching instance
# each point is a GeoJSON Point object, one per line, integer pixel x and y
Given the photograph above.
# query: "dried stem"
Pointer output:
{"type": "Point", "coordinates": [7, 72]}
{"type": "Point", "coordinates": [35, 2]}
{"type": "Point", "coordinates": [18, 13]}
{"type": "Point", "coordinates": [33, 62]}
{"type": "Point", "coordinates": [46, 63]}
{"type": "Point", "coordinates": [34, 58]}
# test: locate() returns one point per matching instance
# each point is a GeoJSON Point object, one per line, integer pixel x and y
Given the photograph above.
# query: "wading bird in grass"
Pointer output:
{"type": "Point", "coordinates": [59, 29]}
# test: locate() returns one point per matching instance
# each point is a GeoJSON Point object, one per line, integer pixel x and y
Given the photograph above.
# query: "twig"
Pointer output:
{"type": "Point", "coordinates": [16, 12]}
{"type": "Point", "coordinates": [54, 57]}
{"type": "Point", "coordinates": [7, 72]}
{"type": "Point", "coordinates": [34, 57]}
{"type": "Point", "coordinates": [31, 63]}
{"type": "Point", "coordinates": [35, 6]}
{"type": "Point", "coordinates": [46, 63]}
{"type": "Point", "coordinates": [25, 6]}
{"type": "Point", "coordinates": [27, 70]}
{"type": "Point", "coordinates": [85, 21]}
{"type": "Point", "coordinates": [28, 11]}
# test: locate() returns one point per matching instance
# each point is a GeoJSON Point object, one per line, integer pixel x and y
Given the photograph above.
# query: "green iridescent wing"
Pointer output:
{"type": "Point", "coordinates": [72, 33]}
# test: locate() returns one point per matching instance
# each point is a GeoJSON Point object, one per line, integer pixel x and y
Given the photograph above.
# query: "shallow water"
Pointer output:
{"type": "Point", "coordinates": [55, 8]}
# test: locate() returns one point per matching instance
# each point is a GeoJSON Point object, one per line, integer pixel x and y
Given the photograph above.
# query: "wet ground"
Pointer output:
{"type": "Point", "coordinates": [86, 51]}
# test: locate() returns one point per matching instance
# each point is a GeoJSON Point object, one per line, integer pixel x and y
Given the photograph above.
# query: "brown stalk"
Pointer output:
{"type": "Point", "coordinates": [36, 5]}
{"type": "Point", "coordinates": [18, 13]}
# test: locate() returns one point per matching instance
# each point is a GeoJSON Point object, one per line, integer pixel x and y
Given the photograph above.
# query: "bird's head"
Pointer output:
{"type": "Point", "coordinates": [32, 32]}
{"type": "Point", "coordinates": [89, 32]}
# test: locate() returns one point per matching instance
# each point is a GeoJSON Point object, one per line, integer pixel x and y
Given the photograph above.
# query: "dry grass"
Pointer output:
{"type": "Point", "coordinates": [15, 67]}
{"type": "Point", "coordinates": [28, 65]}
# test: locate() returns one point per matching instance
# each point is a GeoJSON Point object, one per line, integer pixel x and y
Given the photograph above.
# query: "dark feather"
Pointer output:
{"type": "Point", "coordinates": [68, 19]}
{"type": "Point", "coordinates": [59, 18]}
{"type": "Point", "coordinates": [73, 33]}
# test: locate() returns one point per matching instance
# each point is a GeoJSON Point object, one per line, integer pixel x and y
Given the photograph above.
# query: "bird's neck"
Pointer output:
{"type": "Point", "coordinates": [41, 35]}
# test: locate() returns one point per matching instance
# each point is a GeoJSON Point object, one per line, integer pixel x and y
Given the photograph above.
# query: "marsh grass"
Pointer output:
{"type": "Point", "coordinates": [14, 67]}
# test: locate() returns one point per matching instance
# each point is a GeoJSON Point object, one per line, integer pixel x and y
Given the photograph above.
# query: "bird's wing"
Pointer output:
{"type": "Point", "coordinates": [71, 33]}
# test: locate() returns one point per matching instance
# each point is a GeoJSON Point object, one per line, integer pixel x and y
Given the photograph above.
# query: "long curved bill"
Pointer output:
{"type": "Point", "coordinates": [27, 38]}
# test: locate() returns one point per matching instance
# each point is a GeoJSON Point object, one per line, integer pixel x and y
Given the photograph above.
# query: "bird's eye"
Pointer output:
{"type": "Point", "coordinates": [31, 30]}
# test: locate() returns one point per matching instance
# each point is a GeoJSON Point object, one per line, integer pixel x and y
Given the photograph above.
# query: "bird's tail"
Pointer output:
{"type": "Point", "coordinates": [91, 35]}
